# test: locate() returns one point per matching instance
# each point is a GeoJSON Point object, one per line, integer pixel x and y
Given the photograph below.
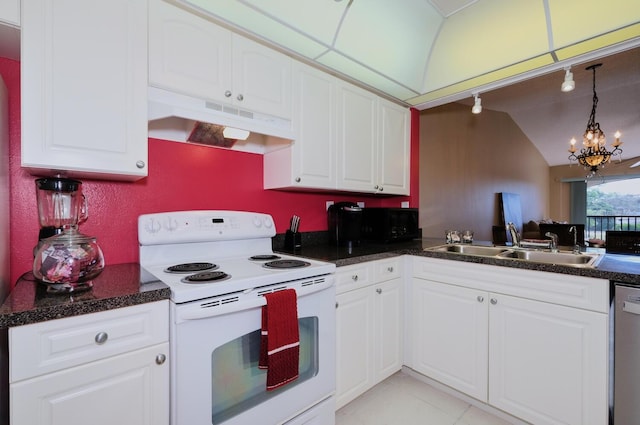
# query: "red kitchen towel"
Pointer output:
{"type": "Point", "coordinates": [280, 339]}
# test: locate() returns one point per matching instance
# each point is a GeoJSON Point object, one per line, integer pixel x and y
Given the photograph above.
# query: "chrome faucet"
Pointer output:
{"type": "Point", "coordinates": [576, 247]}
{"type": "Point", "coordinates": [515, 236]}
{"type": "Point", "coordinates": [554, 241]}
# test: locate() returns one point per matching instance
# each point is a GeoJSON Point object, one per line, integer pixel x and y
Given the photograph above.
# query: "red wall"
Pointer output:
{"type": "Point", "coordinates": [181, 177]}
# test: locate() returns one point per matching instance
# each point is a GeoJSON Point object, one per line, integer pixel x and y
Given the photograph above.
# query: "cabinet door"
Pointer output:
{"type": "Point", "coordinates": [356, 138]}
{"type": "Point", "coordinates": [354, 344]}
{"type": "Point", "coordinates": [131, 388]}
{"type": "Point", "coordinates": [388, 327]}
{"type": "Point", "coordinates": [314, 158]}
{"type": "Point", "coordinates": [393, 148]}
{"type": "Point", "coordinates": [188, 54]}
{"type": "Point", "coordinates": [548, 363]}
{"type": "Point", "coordinates": [261, 78]}
{"type": "Point", "coordinates": [83, 91]}
{"type": "Point", "coordinates": [450, 335]}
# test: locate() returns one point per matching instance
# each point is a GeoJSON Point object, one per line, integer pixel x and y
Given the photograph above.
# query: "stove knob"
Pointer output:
{"type": "Point", "coordinates": [171, 224]}
{"type": "Point", "coordinates": [152, 226]}
{"type": "Point", "coordinates": [257, 222]}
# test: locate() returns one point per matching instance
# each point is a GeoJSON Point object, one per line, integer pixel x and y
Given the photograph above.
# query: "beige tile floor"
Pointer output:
{"type": "Point", "coordinates": [404, 400]}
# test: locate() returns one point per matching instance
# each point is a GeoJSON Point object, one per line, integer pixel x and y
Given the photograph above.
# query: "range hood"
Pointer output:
{"type": "Point", "coordinates": [175, 116]}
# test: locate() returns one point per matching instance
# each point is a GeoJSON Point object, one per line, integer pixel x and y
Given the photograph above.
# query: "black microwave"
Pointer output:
{"type": "Point", "coordinates": [390, 224]}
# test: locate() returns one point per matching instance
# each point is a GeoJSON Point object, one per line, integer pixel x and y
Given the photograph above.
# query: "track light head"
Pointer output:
{"type": "Point", "coordinates": [568, 84]}
{"type": "Point", "coordinates": [477, 104]}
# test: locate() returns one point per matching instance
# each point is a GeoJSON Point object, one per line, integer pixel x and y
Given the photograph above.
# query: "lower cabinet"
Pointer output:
{"type": "Point", "coordinates": [127, 389]}
{"type": "Point", "coordinates": [485, 336]}
{"type": "Point", "coordinates": [101, 368]}
{"type": "Point", "coordinates": [369, 326]}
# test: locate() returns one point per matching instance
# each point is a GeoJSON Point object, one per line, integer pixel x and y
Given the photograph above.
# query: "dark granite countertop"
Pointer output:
{"type": "Point", "coordinates": [117, 286]}
{"type": "Point", "coordinates": [614, 267]}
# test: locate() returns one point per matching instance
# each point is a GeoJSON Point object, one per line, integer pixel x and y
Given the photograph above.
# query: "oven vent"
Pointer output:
{"type": "Point", "coordinates": [271, 290]}
{"type": "Point", "coordinates": [312, 282]}
{"type": "Point", "coordinates": [220, 301]}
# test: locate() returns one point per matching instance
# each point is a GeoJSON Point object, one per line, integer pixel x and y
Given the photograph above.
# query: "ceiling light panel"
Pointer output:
{"type": "Point", "coordinates": [393, 40]}
{"type": "Point", "coordinates": [263, 26]}
{"type": "Point", "coordinates": [486, 36]}
{"type": "Point", "coordinates": [349, 67]}
{"type": "Point", "coordinates": [575, 21]}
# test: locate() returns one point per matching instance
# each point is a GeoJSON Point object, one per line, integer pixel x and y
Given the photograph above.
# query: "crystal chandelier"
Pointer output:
{"type": "Point", "coordinates": [594, 155]}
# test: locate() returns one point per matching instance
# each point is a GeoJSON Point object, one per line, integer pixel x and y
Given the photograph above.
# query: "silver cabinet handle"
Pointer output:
{"type": "Point", "coordinates": [494, 301]}
{"type": "Point", "coordinates": [381, 188]}
{"type": "Point", "coordinates": [298, 179]}
{"type": "Point", "coordinates": [160, 358]}
{"type": "Point", "coordinates": [240, 97]}
{"type": "Point", "coordinates": [376, 187]}
{"type": "Point", "coordinates": [355, 277]}
{"type": "Point", "coordinates": [227, 93]}
{"type": "Point", "coordinates": [379, 291]}
{"type": "Point", "coordinates": [101, 338]}
{"type": "Point", "coordinates": [480, 298]}
{"type": "Point", "coordinates": [390, 269]}
{"type": "Point", "coordinates": [337, 304]}
{"type": "Point", "coordinates": [140, 164]}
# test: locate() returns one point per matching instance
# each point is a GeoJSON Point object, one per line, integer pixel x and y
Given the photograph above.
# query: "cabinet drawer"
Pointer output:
{"type": "Point", "coordinates": [353, 277]}
{"type": "Point", "coordinates": [58, 344]}
{"type": "Point", "coordinates": [388, 269]}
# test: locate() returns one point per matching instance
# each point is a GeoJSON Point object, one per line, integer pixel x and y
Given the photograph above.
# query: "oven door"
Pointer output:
{"type": "Point", "coordinates": [215, 351]}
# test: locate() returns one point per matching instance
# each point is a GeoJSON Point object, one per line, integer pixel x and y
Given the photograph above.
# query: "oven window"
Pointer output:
{"type": "Point", "coordinates": [238, 384]}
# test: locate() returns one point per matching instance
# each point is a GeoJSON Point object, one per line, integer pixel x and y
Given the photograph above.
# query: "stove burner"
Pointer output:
{"type": "Point", "coordinates": [206, 277]}
{"type": "Point", "coordinates": [264, 257]}
{"type": "Point", "coordinates": [286, 264]}
{"type": "Point", "coordinates": [190, 267]}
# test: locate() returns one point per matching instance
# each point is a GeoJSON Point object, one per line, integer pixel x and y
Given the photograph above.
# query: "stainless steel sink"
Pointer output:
{"type": "Point", "coordinates": [486, 251]}
{"type": "Point", "coordinates": [566, 258]}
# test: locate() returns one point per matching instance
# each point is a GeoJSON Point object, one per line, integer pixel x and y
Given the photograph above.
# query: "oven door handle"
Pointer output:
{"type": "Point", "coordinates": [204, 312]}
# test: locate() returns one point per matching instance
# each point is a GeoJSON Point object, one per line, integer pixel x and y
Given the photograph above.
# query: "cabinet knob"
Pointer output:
{"type": "Point", "coordinates": [379, 291]}
{"type": "Point", "coordinates": [381, 189]}
{"type": "Point", "coordinates": [480, 298]}
{"type": "Point", "coordinates": [355, 277]}
{"type": "Point", "coordinates": [140, 164]}
{"type": "Point", "coordinates": [160, 358]}
{"type": "Point", "coordinates": [390, 269]}
{"type": "Point", "coordinates": [376, 187]}
{"type": "Point", "coordinates": [101, 338]}
{"type": "Point", "coordinates": [298, 179]}
{"type": "Point", "coordinates": [227, 93]}
{"type": "Point", "coordinates": [494, 301]}
{"type": "Point", "coordinates": [240, 97]}
{"type": "Point", "coordinates": [337, 304]}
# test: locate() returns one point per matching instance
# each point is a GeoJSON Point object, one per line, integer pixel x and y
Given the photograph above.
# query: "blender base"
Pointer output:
{"type": "Point", "coordinates": [68, 288]}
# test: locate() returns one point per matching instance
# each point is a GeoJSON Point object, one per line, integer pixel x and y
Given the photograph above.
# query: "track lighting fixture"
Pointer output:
{"type": "Point", "coordinates": [568, 84]}
{"type": "Point", "coordinates": [477, 104]}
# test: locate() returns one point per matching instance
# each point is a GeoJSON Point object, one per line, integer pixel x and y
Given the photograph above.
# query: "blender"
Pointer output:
{"type": "Point", "coordinates": [65, 260]}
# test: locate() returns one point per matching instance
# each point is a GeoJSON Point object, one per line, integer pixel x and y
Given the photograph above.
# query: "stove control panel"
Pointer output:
{"type": "Point", "coordinates": [203, 226]}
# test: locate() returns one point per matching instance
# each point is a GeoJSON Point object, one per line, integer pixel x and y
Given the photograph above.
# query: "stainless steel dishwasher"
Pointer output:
{"type": "Point", "coordinates": [626, 406]}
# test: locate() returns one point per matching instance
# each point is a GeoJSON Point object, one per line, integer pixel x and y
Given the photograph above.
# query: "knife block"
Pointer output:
{"type": "Point", "coordinates": [292, 241]}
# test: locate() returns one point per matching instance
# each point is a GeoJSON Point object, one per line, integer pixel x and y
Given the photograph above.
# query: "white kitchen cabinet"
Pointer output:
{"type": "Point", "coordinates": [99, 368]}
{"type": "Point", "coordinates": [394, 150]}
{"type": "Point", "coordinates": [368, 326]}
{"type": "Point", "coordinates": [450, 336]}
{"type": "Point", "coordinates": [10, 12]}
{"type": "Point", "coordinates": [83, 90]}
{"type": "Point", "coordinates": [310, 161]}
{"type": "Point", "coordinates": [193, 56]}
{"type": "Point", "coordinates": [547, 360]}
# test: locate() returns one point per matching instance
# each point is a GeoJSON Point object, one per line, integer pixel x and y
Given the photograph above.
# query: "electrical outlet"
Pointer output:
{"type": "Point", "coordinates": [360, 204]}
{"type": "Point", "coordinates": [404, 204]}
{"type": "Point", "coordinates": [329, 203]}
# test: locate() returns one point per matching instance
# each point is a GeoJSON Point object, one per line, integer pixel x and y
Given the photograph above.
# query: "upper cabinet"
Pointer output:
{"type": "Point", "coordinates": [83, 90]}
{"type": "Point", "coordinates": [193, 56]}
{"type": "Point", "coordinates": [347, 139]}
